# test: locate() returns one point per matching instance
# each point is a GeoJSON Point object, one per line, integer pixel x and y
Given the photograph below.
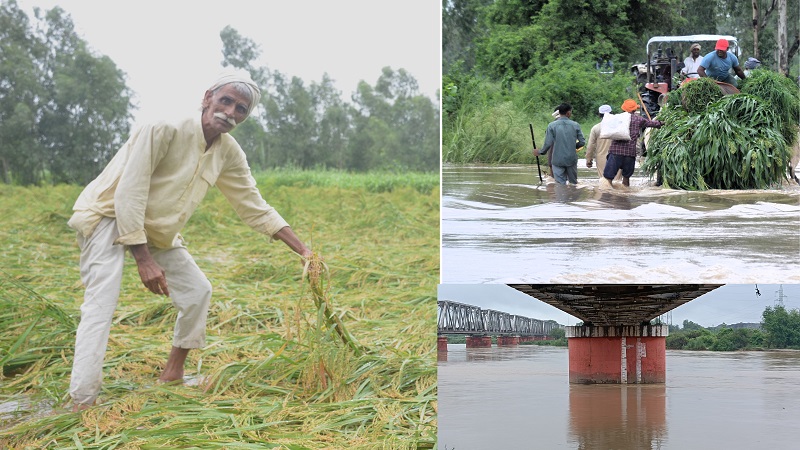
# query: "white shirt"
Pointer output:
{"type": "Point", "coordinates": [690, 66]}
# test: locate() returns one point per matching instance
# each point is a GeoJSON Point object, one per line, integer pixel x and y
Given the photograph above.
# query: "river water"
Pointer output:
{"type": "Point", "coordinates": [520, 398]}
{"type": "Point", "coordinates": [500, 225]}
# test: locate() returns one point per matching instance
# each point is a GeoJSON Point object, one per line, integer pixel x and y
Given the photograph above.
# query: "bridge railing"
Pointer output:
{"type": "Point", "coordinates": [460, 318]}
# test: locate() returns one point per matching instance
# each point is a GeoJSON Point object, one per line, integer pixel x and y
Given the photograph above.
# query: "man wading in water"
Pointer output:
{"type": "Point", "coordinates": [622, 154]}
{"type": "Point", "coordinates": [141, 201]}
{"type": "Point", "coordinates": [563, 137]}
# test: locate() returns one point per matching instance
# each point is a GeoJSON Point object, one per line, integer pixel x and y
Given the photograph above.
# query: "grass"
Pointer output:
{"type": "Point", "coordinates": [276, 371]}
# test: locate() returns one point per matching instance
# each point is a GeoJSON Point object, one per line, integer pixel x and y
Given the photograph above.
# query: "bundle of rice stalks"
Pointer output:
{"type": "Point", "coordinates": [734, 144]}
{"type": "Point", "coordinates": [317, 272]}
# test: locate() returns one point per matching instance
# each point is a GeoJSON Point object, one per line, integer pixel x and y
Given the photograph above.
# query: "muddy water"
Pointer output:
{"type": "Point", "coordinates": [520, 398]}
{"type": "Point", "coordinates": [500, 225]}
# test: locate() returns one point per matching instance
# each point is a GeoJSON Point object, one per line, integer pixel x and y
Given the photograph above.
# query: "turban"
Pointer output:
{"type": "Point", "coordinates": [604, 109]}
{"type": "Point", "coordinates": [231, 75]}
{"type": "Point", "coordinates": [629, 106]}
{"type": "Point", "coordinates": [751, 63]}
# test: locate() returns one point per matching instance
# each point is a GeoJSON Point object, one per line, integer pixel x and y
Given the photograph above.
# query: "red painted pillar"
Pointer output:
{"type": "Point", "coordinates": [479, 341]}
{"type": "Point", "coordinates": [441, 344]}
{"type": "Point", "coordinates": [617, 354]}
{"type": "Point", "coordinates": [507, 341]}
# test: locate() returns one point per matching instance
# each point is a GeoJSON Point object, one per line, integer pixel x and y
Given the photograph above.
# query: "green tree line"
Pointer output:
{"type": "Point", "coordinates": [780, 328]}
{"type": "Point", "coordinates": [64, 110]}
{"type": "Point", "coordinates": [508, 63]}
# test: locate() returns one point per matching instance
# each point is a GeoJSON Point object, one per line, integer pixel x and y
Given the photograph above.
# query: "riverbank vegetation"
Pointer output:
{"type": "Point", "coordinates": [780, 329]}
{"type": "Point", "coordinates": [508, 64]}
{"type": "Point", "coordinates": [273, 373]}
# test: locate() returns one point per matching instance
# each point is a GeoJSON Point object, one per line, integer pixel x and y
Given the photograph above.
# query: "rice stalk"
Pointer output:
{"type": "Point", "coordinates": [314, 269]}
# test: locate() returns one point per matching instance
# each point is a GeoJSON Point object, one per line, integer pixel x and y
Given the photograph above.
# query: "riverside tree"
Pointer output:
{"type": "Point", "coordinates": [63, 109]}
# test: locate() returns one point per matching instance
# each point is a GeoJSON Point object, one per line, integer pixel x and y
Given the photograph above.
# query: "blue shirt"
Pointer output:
{"type": "Point", "coordinates": [719, 68]}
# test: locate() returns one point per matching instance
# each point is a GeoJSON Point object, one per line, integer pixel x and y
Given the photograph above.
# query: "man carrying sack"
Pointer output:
{"type": "Point", "coordinates": [622, 153]}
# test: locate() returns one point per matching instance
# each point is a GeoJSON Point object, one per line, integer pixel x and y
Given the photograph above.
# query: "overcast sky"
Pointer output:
{"type": "Point", "coordinates": [730, 304]}
{"type": "Point", "coordinates": [171, 50]}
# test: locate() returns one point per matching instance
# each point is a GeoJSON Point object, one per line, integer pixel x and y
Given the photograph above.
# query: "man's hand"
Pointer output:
{"type": "Point", "coordinates": [536, 152]}
{"type": "Point", "coordinates": [152, 275]}
{"type": "Point", "coordinates": [589, 163]}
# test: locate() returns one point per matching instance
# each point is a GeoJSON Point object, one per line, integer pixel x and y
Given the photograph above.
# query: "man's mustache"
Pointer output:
{"type": "Point", "coordinates": [224, 117]}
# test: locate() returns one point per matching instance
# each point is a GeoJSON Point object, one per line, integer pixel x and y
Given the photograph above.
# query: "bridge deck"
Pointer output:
{"type": "Point", "coordinates": [615, 304]}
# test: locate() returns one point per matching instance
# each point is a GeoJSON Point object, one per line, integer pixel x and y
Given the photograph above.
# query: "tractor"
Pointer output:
{"type": "Point", "coordinates": [665, 55]}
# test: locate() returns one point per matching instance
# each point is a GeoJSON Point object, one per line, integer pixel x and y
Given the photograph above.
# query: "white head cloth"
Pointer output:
{"type": "Point", "coordinates": [231, 75]}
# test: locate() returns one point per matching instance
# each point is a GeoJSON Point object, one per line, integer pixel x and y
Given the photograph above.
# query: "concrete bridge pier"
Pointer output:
{"type": "Point", "coordinates": [441, 343]}
{"type": "Point", "coordinates": [507, 341]}
{"type": "Point", "coordinates": [617, 354]}
{"type": "Point", "coordinates": [479, 341]}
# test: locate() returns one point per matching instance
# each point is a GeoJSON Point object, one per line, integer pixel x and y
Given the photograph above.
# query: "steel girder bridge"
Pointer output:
{"type": "Point", "coordinates": [459, 318]}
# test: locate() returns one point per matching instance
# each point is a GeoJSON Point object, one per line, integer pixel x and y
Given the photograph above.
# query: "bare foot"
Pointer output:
{"type": "Point", "coordinates": [78, 407]}
{"type": "Point", "coordinates": [173, 370]}
{"type": "Point", "coordinates": [171, 376]}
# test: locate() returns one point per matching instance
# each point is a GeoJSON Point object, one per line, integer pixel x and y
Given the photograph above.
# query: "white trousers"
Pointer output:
{"type": "Point", "coordinates": [101, 272]}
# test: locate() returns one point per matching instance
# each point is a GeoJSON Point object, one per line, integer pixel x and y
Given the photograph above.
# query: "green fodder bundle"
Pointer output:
{"type": "Point", "coordinates": [780, 94]}
{"type": "Point", "coordinates": [697, 95]}
{"type": "Point", "coordinates": [734, 144]}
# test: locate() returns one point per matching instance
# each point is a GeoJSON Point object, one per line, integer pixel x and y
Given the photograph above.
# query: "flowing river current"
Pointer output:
{"type": "Point", "coordinates": [499, 224]}
{"type": "Point", "coordinates": [520, 398]}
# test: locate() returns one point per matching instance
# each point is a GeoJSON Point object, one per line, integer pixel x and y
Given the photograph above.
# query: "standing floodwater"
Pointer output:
{"type": "Point", "coordinates": [520, 398]}
{"type": "Point", "coordinates": [499, 225]}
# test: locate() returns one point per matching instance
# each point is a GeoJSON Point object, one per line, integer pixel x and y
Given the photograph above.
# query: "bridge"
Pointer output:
{"type": "Point", "coordinates": [460, 318]}
{"type": "Point", "coordinates": [481, 324]}
{"type": "Point", "coordinates": [617, 342]}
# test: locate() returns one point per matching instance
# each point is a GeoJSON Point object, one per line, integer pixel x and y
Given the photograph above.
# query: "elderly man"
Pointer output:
{"type": "Point", "coordinates": [692, 62]}
{"type": "Point", "coordinates": [717, 64]}
{"type": "Point", "coordinates": [141, 201]}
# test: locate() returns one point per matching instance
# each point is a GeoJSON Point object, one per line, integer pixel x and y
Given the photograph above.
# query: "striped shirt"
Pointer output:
{"type": "Point", "coordinates": [628, 148]}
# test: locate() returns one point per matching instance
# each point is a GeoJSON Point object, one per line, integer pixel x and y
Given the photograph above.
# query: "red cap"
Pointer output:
{"type": "Point", "coordinates": [722, 44]}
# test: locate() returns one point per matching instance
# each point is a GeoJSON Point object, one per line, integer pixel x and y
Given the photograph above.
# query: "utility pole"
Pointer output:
{"type": "Point", "coordinates": [779, 300]}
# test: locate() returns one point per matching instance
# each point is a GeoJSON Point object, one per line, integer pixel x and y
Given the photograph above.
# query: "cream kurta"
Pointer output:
{"type": "Point", "coordinates": [159, 176]}
{"type": "Point", "coordinates": [598, 149]}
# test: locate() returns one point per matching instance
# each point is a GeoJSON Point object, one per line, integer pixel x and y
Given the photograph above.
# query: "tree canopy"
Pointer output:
{"type": "Point", "coordinates": [511, 39]}
{"type": "Point", "coordinates": [65, 110]}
